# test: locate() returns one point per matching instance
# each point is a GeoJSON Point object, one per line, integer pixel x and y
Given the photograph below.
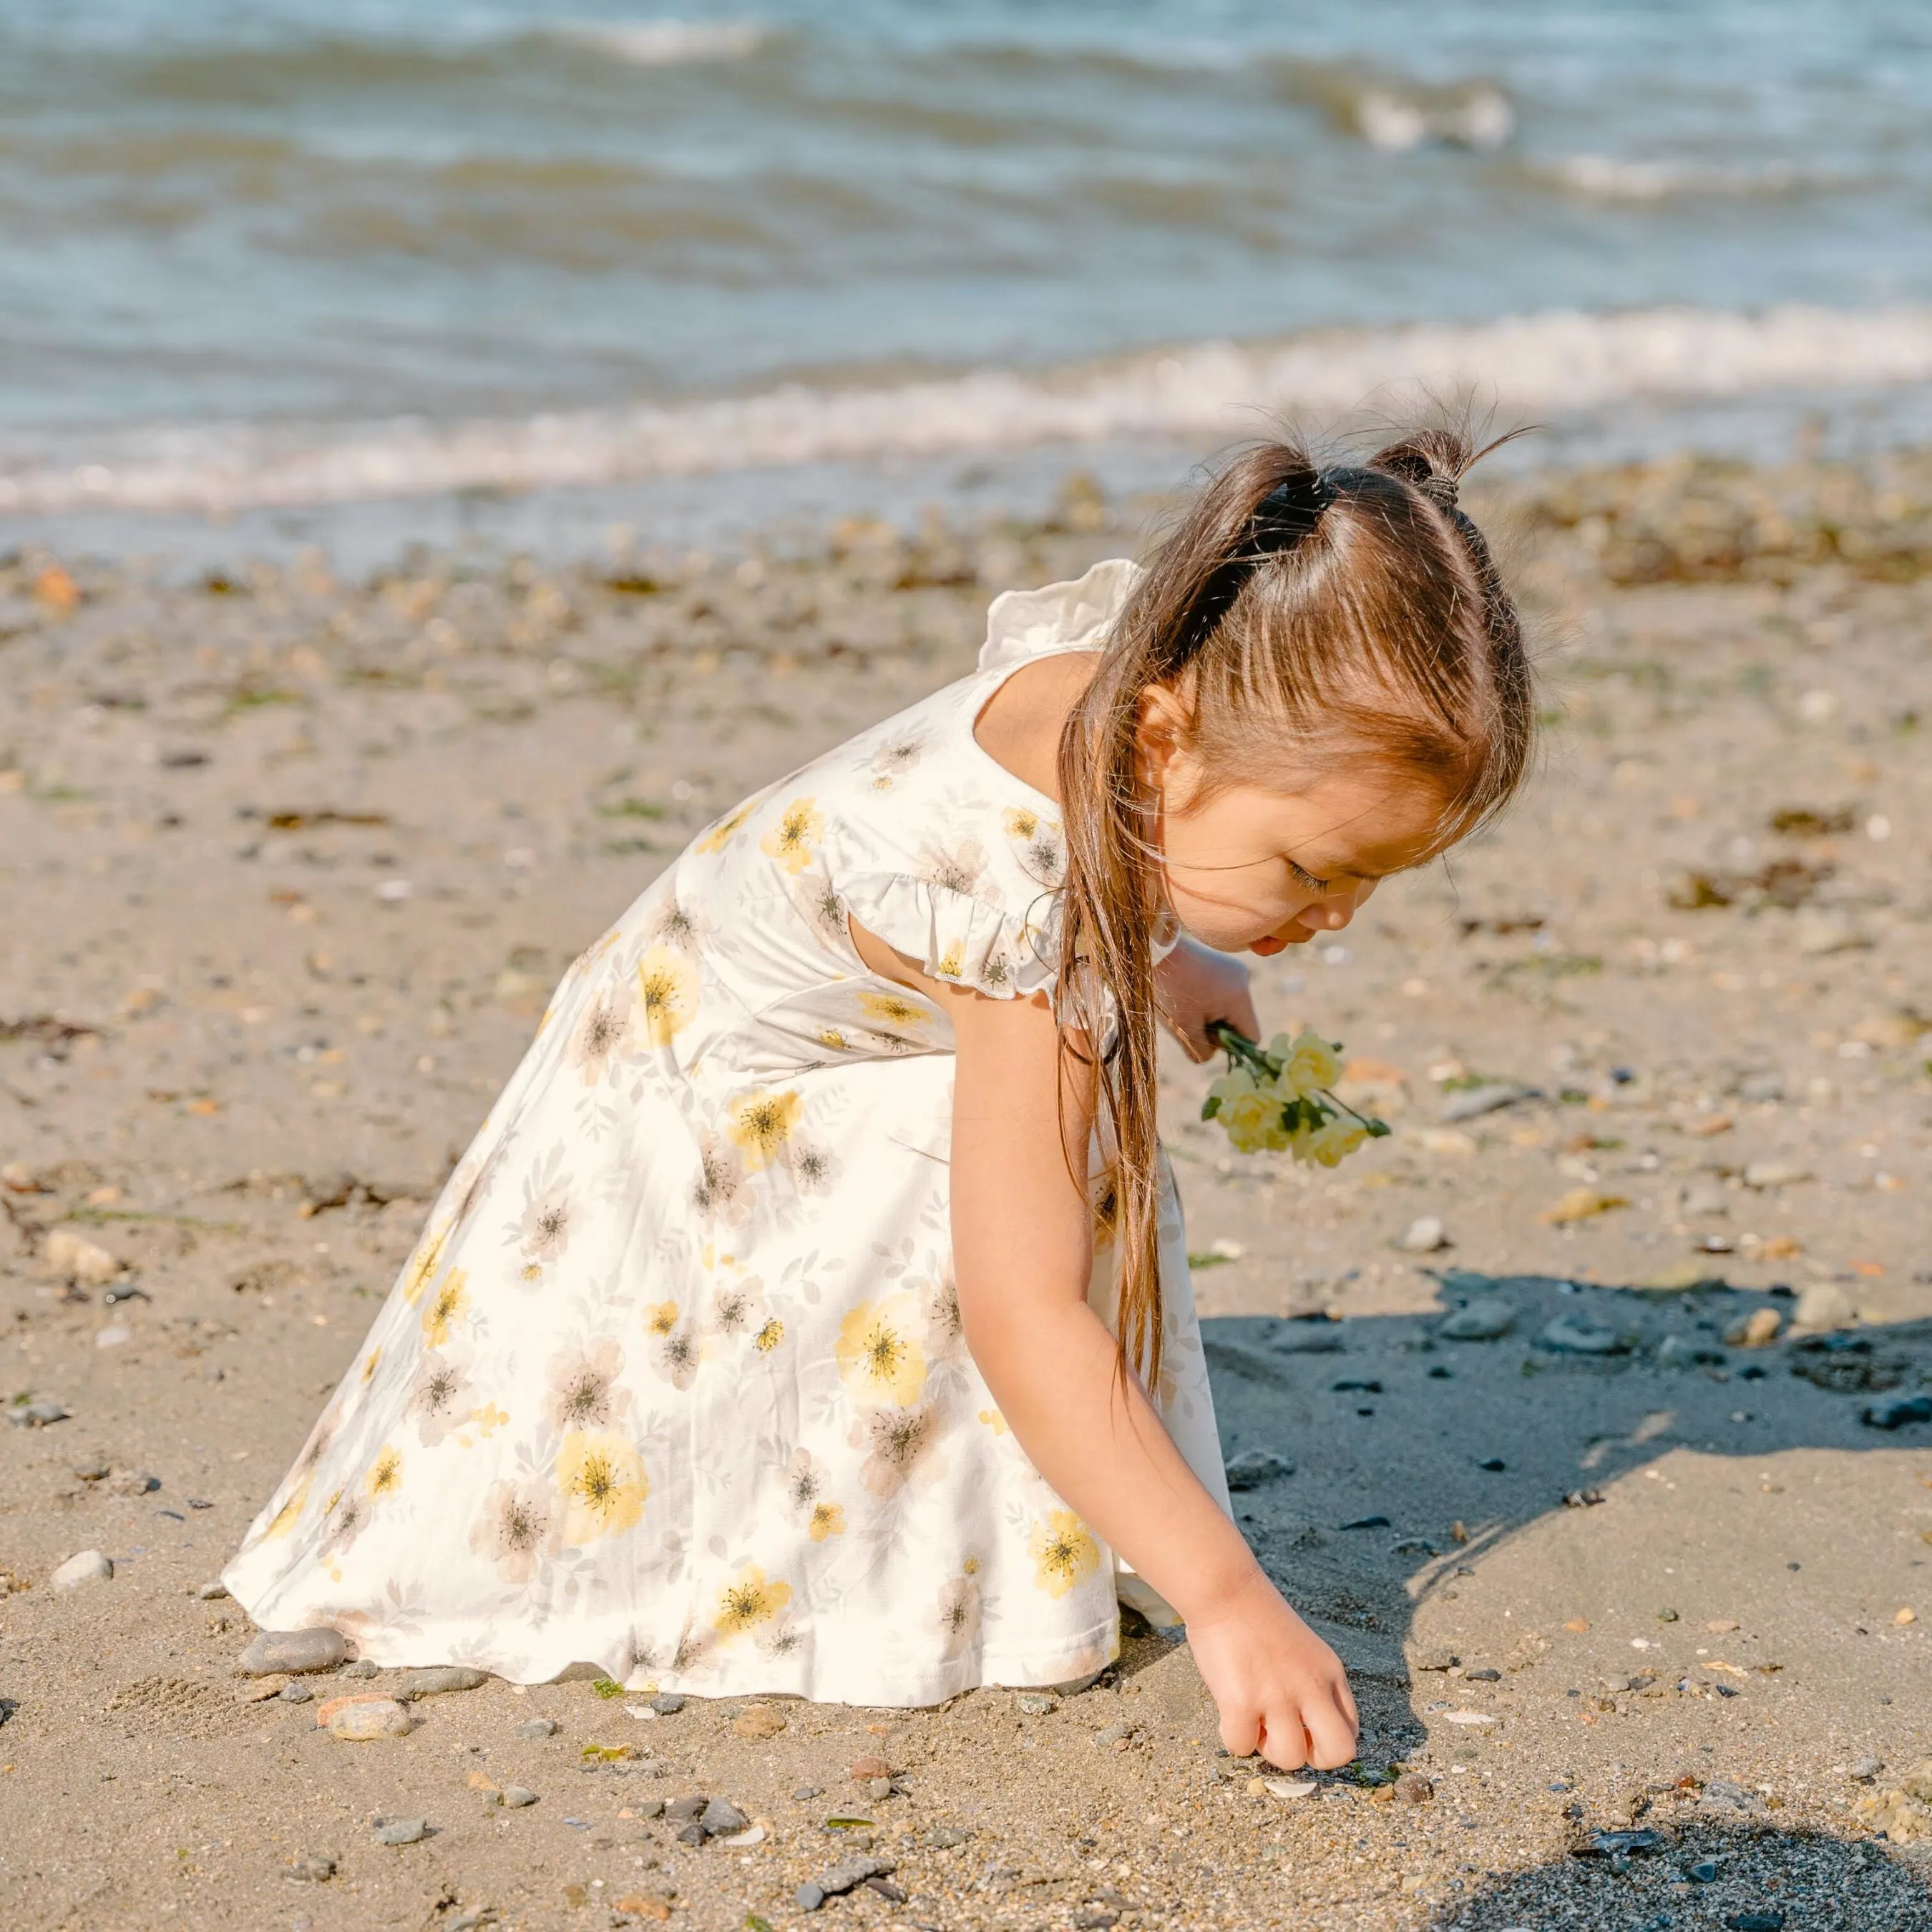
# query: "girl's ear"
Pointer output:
{"type": "Point", "coordinates": [1161, 735]}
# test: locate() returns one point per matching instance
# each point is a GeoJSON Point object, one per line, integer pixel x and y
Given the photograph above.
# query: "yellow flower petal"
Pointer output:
{"type": "Point", "coordinates": [748, 1600]}
{"type": "Point", "coordinates": [880, 1358]}
{"type": "Point", "coordinates": [600, 1479]}
{"type": "Point", "coordinates": [668, 990]}
{"type": "Point", "coordinates": [1062, 1553]}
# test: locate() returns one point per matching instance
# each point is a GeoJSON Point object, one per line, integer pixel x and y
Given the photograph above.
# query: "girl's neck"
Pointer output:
{"type": "Point", "coordinates": [1019, 726]}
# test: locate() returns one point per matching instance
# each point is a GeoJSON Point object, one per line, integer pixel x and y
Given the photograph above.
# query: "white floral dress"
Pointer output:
{"type": "Point", "coordinates": [674, 1384]}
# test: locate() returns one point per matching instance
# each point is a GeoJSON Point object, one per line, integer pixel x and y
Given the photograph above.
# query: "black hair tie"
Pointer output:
{"type": "Point", "coordinates": [1287, 514]}
{"type": "Point", "coordinates": [1282, 519]}
{"type": "Point", "coordinates": [1441, 490]}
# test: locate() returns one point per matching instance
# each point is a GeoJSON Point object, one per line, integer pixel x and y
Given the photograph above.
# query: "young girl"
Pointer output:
{"type": "Point", "coordinates": [812, 1314]}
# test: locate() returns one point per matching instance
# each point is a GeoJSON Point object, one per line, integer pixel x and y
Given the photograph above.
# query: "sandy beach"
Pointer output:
{"type": "Point", "coordinates": [1590, 1391]}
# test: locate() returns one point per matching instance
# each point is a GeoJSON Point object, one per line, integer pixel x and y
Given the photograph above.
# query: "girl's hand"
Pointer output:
{"type": "Point", "coordinates": [1195, 984]}
{"type": "Point", "coordinates": [1279, 1689]}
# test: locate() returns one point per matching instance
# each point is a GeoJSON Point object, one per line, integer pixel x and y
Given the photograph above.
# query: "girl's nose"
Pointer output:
{"type": "Point", "coordinates": [1331, 915]}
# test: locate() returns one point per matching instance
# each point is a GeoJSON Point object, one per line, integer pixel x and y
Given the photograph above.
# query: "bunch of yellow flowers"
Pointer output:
{"type": "Point", "coordinates": [1277, 1096]}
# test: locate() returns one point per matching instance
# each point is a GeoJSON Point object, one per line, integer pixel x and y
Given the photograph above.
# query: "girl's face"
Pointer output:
{"type": "Point", "coordinates": [1249, 870]}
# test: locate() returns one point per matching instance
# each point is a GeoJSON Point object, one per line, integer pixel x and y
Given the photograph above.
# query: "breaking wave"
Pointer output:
{"type": "Point", "coordinates": [664, 43]}
{"type": "Point", "coordinates": [1551, 361]}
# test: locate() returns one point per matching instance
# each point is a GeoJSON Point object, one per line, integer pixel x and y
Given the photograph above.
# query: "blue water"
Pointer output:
{"type": "Point", "coordinates": [297, 217]}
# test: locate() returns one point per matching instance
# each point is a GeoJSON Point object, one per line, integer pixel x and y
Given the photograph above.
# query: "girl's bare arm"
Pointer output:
{"type": "Point", "coordinates": [1022, 1253]}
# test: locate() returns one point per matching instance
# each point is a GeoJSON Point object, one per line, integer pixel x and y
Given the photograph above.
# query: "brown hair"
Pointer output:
{"type": "Point", "coordinates": [1298, 613]}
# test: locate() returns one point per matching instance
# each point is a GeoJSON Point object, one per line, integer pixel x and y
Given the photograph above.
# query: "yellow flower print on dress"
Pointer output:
{"type": "Point", "coordinates": [516, 1530]}
{"type": "Point", "coordinates": [794, 841]}
{"type": "Point", "coordinates": [284, 1520]}
{"type": "Point", "coordinates": [748, 1600]}
{"type": "Point", "coordinates": [768, 1337]}
{"type": "Point", "coordinates": [880, 1358]}
{"type": "Point", "coordinates": [959, 1607]}
{"type": "Point", "coordinates": [445, 1307]}
{"type": "Point", "coordinates": [386, 1473]}
{"type": "Point", "coordinates": [894, 1009]}
{"type": "Point", "coordinates": [721, 834]}
{"type": "Point", "coordinates": [667, 992]}
{"type": "Point", "coordinates": [600, 1480]}
{"type": "Point", "coordinates": [1043, 850]}
{"type": "Point", "coordinates": [1062, 1553]}
{"type": "Point", "coordinates": [422, 1264]}
{"type": "Point", "coordinates": [826, 1520]}
{"type": "Point", "coordinates": [761, 1123]}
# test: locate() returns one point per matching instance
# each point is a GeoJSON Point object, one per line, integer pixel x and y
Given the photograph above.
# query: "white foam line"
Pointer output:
{"type": "Point", "coordinates": [1562, 360]}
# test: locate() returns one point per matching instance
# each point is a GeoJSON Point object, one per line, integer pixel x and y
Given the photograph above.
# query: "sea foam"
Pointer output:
{"type": "Point", "coordinates": [1560, 361]}
{"type": "Point", "coordinates": [664, 43]}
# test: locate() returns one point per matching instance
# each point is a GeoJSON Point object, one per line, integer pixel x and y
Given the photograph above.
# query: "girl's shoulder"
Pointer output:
{"type": "Point", "coordinates": [918, 831]}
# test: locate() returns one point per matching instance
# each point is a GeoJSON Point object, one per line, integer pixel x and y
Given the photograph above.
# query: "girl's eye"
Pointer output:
{"type": "Point", "coordinates": [1303, 877]}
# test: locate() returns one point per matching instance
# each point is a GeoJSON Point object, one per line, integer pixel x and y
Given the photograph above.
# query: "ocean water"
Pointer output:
{"type": "Point", "coordinates": [277, 253]}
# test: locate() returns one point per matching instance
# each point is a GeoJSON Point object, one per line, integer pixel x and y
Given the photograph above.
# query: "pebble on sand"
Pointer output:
{"type": "Point", "coordinates": [37, 1414]}
{"type": "Point", "coordinates": [363, 1717]}
{"type": "Point", "coordinates": [1566, 1337]}
{"type": "Point", "coordinates": [839, 1878]}
{"type": "Point", "coordinates": [517, 1796]}
{"type": "Point", "coordinates": [1425, 1235]}
{"type": "Point", "coordinates": [402, 1831]}
{"type": "Point", "coordinates": [89, 1567]}
{"type": "Point", "coordinates": [538, 1727]}
{"type": "Point", "coordinates": [1485, 1320]}
{"type": "Point", "coordinates": [756, 1721]}
{"type": "Point", "coordinates": [1824, 1305]}
{"type": "Point", "coordinates": [1286, 1788]}
{"type": "Point", "coordinates": [864, 1769]}
{"type": "Point", "coordinates": [80, 1259]}
{"type": "Point", "coordinates": [1253, 1468]}
{"type": "Point", "coordinates": [296, 1652]}
{"type": "Point", "coordinates": [437, 1680]}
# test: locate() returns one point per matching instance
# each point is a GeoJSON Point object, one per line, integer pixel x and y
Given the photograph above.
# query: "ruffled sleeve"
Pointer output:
{"type": "Point", "coordinates": [1074, 615]}
{"type": "Point", "coordinates": [956, 936]}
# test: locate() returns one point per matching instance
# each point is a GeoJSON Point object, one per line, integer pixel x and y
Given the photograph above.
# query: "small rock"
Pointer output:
{"type": "Point", "coordinates": [742, 1841]}
{"type": "Point", "coordinates": [1705, 1871]}
{"type": "Point", "coordinates": [1252, 1468]}
{"type": "Point", "coordinates": [1319, 1337]}
{"type": "Point", "coordinates": [94, 1469]}
{"type": "Point", "coordinates": [1425, 1235]}
{"type": "Point", "coordinates": [1758, 1329]}
{"type": "Point", "coordinates": [80, 1259]}
{"type": "Point", "coordinates": [1114, 1734]}
{"type": "Point", "coordinates": [945, 1838]}
{"type": "Point", "coordinates": [361, 1667]}
{"type": "Point", "coordinates": [1482, 1677]}
{"type": "Point", "coordinates": [808, 1897]}
{"type": "Point", "coordinates": [89, 1567]}
{"type": "Point", "coordinates": [1756, 1922]}
{"type": "Point", "coordinates": [517, 1796]}
{"type": "Point", "coordinates": [758, 1720]}
{"type": "Point", "coordinates": [1719, 1795]}
{"type": "Point", "coordinates": [1412, 1788]}
{"type": "Point", "coordinates": [1764, 1174]}
{"type": "Point", "coordinates": [1435, 1660]}
{"type": "Point", "coordinates": [1480, 1321]}
{"type": "Point", "coordinates": [805, 1793]}
{"type": "Point", "coordinates": [1820, 933]}
{"type": "Point", "coordinates": [36, 1415]}
{"type": "Point", "coordinates": [315, 1869]}
{"type": "Point", "coordinates": [667, 1704]}
{"type": "Point", "coordinates": [1471, 1103]}
{"type": "Point", "coordinates": [294, 1691]}
{"type": "Point", "coordinates": [1035, 1704]}
{"type": "Point", "coordinates": [720, 1817]}
{"type": "Point", "coordinates": [260, 1689]}
{"type": "Point", "coordinates": [134, 1483]}
{"type": "Point", "coordinates": [683, 1810]}
{"type": "Point", "coordinates": [842, 1878]}
{"type": "Point", "coordinates": [212, 1593]}
{"type": "Point", "coordinates": [296, 1652]}
{"type": "Point", "coordinates": [1824, 1305]}
{"type": "Point", "coordinates": [864, 1769]}
{"type": "Point", "coordinates": [402, 1830]}
{"type": "Point", "coordinates": [1566, 1337]}
{"type": "Point", "coordinates": [1675, 1352]}
{"type": "Point", "coordinates": [1898, 1412]}
{"type": "Point", "coordinates": [538, 1727]}
{"type": "Point", "coordinates": [1088, 1919]}
{"type": "Point", "coordinates": [363, 1717]}
{"type": "Point", "coordinates": [437, 1680]}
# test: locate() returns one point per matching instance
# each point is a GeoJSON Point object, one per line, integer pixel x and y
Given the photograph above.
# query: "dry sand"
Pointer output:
{"type": "Point", "coordinates": [287, 868]}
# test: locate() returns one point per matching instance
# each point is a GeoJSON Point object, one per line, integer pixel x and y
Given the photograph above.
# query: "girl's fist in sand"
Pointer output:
{"type": "Point", "coordinates": [1279, 1689]}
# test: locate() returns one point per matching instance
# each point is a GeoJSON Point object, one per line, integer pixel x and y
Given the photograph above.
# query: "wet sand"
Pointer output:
{"type": "Point", "coordinates": [287, 869]}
